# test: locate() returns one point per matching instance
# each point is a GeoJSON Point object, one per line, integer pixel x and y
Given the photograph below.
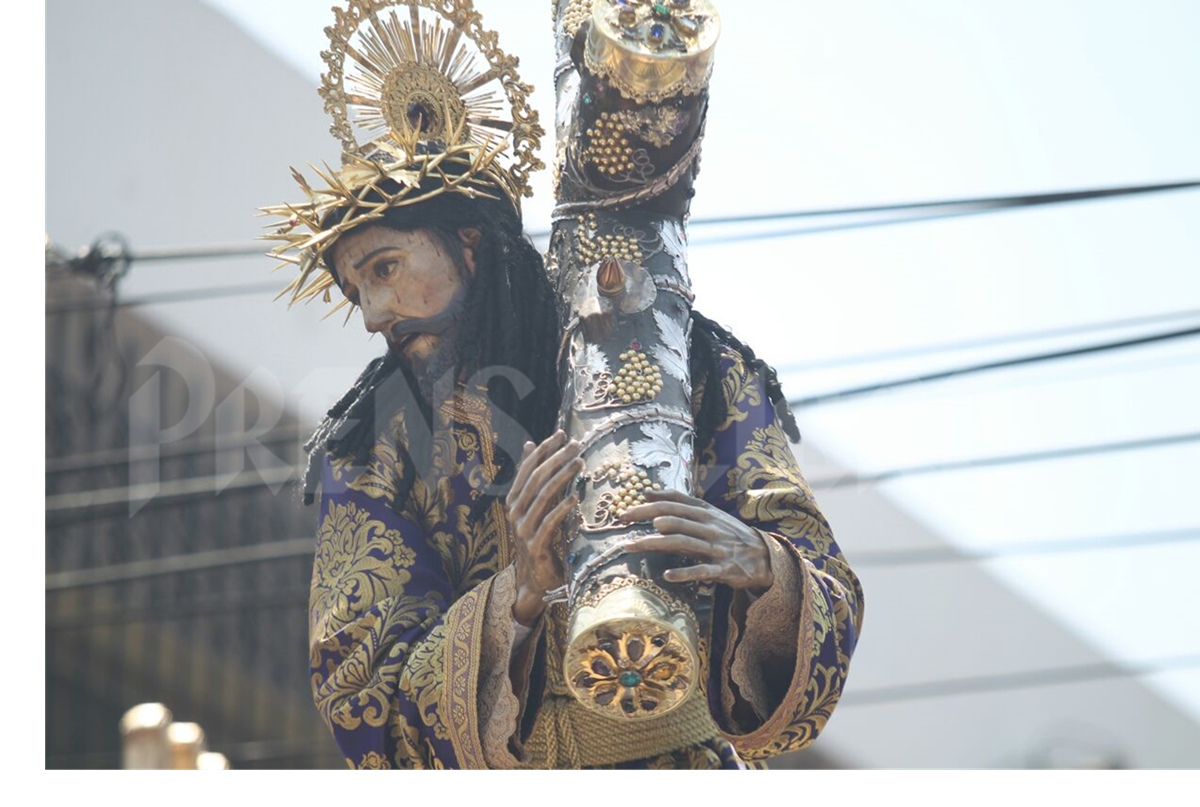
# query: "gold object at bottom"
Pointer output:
{"type": "Point", "coordinates": [569, 735]}
{"type": "Point", "coordinates": [631, 651]}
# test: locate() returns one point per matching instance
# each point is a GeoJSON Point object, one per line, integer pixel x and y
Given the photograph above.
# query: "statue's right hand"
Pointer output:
{"type": "Point", "coordinates": [536, 509]}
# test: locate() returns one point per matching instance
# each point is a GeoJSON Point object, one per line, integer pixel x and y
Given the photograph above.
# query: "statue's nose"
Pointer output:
{"type": "Point", "coordinates": [376, 320]}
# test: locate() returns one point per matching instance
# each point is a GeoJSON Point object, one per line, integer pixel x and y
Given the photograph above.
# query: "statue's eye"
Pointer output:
{"type": "Point", "coordinates": [384, 269]}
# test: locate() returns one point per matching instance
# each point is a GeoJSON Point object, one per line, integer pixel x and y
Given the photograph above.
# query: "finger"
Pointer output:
{"type": "Point", "coordinates": [549, 448]}
{"type": "Point", "coordinates": [701, 571]}
{"type": "Point", "coordinates": [553, 490]}
{"type": "Point", "coordinates": [705, 531]}
{"type": "Point", "coordinates": [552, 522]}
{"type": "Point", "coordinates": [521, 469]}
{"type": "Point", "coordinates": [531, 457]}
{"type": "Point", "coordinates": [652, 510]}
{"type": "Point", "coordinates": [675, 544]}
{"type": "Point", "coordinates": [672, 495]}
{"type": "Point", "coordinates": [542, 474]}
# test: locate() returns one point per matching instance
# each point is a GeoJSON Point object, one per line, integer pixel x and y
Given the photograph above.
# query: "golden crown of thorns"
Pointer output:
{"type": "Point", "coordinates": [428, 101]}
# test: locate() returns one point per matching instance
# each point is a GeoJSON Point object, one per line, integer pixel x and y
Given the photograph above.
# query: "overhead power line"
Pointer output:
{"type": "Point", "coordinates": [1025, 200]}
{"type": "Point", "coordinates": [1001, 364]}
{"type": "Point", "coordinates": [1017, 549]}
{"type": "Point", "coordinates": [854, 479]}
{"type": "Point", "coordinates": [68, 507]}
{"type": "Point", "coordinates": [980, 204]}
{"type": "Point", "coordinates": [916, 351]}
{"type": "Point", "coordinates": [978, 684]}
{"type": "Point", "coordinates": [133, 455]}
{"type": "Point", "coordinates": [180, 296]}
{"type": "Point", "coordinates": [149, 453]}
{"type": "Point", "coordinates": [94, 261]}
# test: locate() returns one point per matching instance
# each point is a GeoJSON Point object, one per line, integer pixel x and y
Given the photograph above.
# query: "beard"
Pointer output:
{"type": "Point", "coordinates": [437, 373]}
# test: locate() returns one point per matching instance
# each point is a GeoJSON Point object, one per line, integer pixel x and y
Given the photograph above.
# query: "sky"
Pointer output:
{"type": "Point", "coordinates": [825, 105]}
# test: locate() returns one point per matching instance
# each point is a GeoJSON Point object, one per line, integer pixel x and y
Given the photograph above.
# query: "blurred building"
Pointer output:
{"type": "Point", "coordinates": [170, 576]}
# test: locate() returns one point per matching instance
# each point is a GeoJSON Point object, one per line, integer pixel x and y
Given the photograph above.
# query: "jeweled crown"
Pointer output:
{"type": "Point", "coordinates": [420, 95]}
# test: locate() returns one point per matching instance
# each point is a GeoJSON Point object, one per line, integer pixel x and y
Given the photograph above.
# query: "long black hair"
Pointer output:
{"type": "Point", "coordinates": [510, 320]}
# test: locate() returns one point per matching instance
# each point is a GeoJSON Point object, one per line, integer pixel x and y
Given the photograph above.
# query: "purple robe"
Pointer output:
{"type": "Point", "coordinates": [412, 652]}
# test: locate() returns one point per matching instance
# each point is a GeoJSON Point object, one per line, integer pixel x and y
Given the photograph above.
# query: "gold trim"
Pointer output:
{"type": "Point", "coordinates": [640, 70]}
{"type": "Point", "coordinates": [764, 741]}
{"type": "Point", "coordinates": [464, 645]}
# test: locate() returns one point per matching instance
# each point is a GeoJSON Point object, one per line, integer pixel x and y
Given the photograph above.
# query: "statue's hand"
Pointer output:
{"type": "Point", "coordinates": [536, 509]}
{"type": "Point", "coordinates": [733, 553]}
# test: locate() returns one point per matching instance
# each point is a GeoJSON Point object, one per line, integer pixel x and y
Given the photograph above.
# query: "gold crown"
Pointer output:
{"type": "Point", "coordinates": [438, 108]}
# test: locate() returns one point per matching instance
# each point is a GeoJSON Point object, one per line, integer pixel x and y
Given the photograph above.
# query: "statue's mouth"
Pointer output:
{"type": "Point", "coordinates": [402, 344]}
{"type": "Point", "coordinates": [406, 331]}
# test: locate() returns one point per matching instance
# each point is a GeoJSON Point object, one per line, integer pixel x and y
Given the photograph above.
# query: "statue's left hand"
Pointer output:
{"type": "Point", "coordinates": [733, 553]}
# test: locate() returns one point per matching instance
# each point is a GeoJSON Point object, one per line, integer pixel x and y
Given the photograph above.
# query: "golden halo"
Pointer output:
{"type": "Point", "coordinates": [415, 75]}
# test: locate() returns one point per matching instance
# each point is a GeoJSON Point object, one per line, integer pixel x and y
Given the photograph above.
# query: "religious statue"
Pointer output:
{"type": "Point", "coordinates": [561, 524]}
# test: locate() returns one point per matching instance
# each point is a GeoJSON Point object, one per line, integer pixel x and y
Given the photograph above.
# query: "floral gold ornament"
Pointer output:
{"type": "Point", "coordinates": [657, 125]}
{"type": "Point", "coordinates": [639, 663]}
{"type": "Point", "coordinates": [422, 96]}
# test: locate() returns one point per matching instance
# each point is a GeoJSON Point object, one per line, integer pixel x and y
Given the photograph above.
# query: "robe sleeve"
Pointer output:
{"type": "Point", "coordinates": [779, 661]}
{"type": "Point", "coordinates": [404, 674]}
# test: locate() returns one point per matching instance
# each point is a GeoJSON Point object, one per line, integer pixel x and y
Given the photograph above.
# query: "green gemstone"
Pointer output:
{"type": "Point", "coordinates": [661, 10]}
{"type": "Point", "coordinates": [629, 678]}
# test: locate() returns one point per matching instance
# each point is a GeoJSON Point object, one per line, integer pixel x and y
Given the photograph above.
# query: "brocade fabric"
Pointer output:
{"type": "Point", "coordinates": [411, 632]}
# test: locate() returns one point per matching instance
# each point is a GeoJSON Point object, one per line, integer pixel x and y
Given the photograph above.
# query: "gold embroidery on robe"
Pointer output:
{"type": "Point", "coordinates": [766, 489]}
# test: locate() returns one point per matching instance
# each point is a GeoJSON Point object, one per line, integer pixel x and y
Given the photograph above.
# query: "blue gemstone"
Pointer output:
{"type": "Point", "coordinates": [657, 31]}
{"type": "Point", "coordinates": [587, 99]}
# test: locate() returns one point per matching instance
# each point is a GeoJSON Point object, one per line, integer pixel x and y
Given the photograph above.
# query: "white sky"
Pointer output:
{"type": "Point", "coordinates": [837, 104]}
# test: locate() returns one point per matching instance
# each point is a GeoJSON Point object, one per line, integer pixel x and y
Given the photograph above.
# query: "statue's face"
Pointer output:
{"type": "Point", "coordinates": [403, 281]}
